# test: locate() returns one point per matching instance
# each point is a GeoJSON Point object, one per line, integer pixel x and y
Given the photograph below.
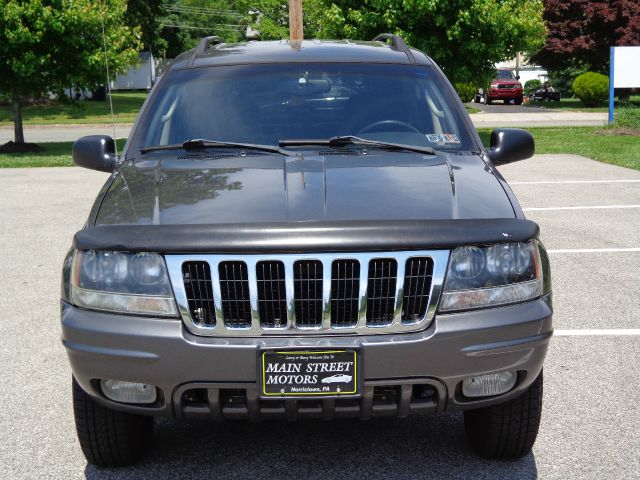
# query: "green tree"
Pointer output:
{"type": "Point", "coordinates": [186, 21]}
{"type": "Point", "coordinates": [271, 17]}
{"type": "Point", "coordinates": [47, 45]}
{"type": "Point", "coordinates": [465, 37]}
{"type": "Point", "coordinates": [148, 16]}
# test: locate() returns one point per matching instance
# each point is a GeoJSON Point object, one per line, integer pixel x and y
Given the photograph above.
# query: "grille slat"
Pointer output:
{"type": "Point", "coordinates": [345, 287]}
{"type": "Point", "coordinates": [272, 301]}
{"type": "Point", "coordinates": [381, 291]}
{"type": "Point", "coordinates": [307, 286]}
{"type": "Point", "coordinates": [417, 286]}
{"type": "Point", "coordinates": [234, 291]}
{"type": "Point", "coordinates": [198, 288]}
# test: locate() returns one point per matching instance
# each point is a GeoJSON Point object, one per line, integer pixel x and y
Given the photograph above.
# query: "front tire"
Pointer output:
{"type": "Point", "coordinates": [109, 438]}
{"type": "Point", "coordinates": [507, 430]}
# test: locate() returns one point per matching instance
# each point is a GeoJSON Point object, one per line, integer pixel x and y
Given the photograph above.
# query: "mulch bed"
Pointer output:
{"type": "Point", "coordinates": [633, 132]}
{"type": "Point", "coordinates": [11, 147]}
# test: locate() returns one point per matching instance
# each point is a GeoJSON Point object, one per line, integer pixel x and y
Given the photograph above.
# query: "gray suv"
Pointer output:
{"type": "Point", "coordinates": [308, 230]}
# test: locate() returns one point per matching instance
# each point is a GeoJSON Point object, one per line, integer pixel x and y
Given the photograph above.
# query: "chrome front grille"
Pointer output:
{"type": "Point", "coordinates": [253, 295]}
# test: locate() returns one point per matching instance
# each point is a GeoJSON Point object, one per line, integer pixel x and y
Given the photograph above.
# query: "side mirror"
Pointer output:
{"type": "Point", "coordinates": [510, 145]}
{"type": "Point", "coordinates": [97, 152]}
{"type": "Point", "coordinates": [517, 77]}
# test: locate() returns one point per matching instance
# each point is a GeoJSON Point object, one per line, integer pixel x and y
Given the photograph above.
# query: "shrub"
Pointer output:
{"type": "Point", "coordinates": [531, 86]}
{"type": "Point", "coordinates": [592, 88]}
{"type": "Point", "coordinates": [466, 91]}
{"type": "Point", "coordinates": [562, 79]}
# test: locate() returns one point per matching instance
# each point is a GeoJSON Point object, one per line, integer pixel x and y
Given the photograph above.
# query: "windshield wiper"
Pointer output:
{"type": "Point", "coordinates": [343, 140]}
{"type": "Point", "coordinates": [200, 143]}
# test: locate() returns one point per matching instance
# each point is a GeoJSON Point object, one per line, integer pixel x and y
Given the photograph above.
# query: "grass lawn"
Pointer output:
{"type": "Point", "coordinates": [471, 109]}
{"type": "Point", "coordinates": [57, 154]}
{"type": "Point", "coordinates": [576, 104]}
{"type": "Point", "coordinates": [593, 142]}
{"type": "Point", "coordinates": [125, 107]}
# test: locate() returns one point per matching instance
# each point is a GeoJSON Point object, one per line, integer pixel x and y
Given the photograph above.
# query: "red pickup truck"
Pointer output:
{"type": "Point", "coordinates": [505, 86]}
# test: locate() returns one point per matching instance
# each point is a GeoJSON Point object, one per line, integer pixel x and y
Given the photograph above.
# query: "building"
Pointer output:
{"type": "Point", "coordinates": [140, 76]}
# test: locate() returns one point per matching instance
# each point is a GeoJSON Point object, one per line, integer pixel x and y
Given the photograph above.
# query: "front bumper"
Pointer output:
{"type": "Point", "coordinates": [185, 367]}
{"type": "Point", "coordinates": [505, 94]}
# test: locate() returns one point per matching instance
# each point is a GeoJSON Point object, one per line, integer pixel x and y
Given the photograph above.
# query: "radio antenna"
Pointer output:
{"type": "Point", "coordinates": [106, 66]}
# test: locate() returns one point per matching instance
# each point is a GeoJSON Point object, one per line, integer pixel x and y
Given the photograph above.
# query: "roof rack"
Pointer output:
{"type": "Point", "coordinates": [397, 43]}
{"type": "Point", "coordinates": [203, 45]}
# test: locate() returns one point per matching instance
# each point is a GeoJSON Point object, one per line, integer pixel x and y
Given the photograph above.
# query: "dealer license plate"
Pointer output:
{"type": "Point", "coordinates": [308, 373]}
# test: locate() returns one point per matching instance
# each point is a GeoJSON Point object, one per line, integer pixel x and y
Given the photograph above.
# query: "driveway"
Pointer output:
{"type": "Point", "coordinates": [589, 214]}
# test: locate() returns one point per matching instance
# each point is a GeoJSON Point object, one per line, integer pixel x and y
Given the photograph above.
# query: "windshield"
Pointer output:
{"type": "Point", "coordinates": [267, 104]}
{"type": "Point", "coordinates": [505, 75]}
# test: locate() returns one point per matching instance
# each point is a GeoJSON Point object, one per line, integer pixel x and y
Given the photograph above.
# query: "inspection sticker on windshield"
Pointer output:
{"type": "Point", "coordinates": [299, 373]}
{"type": "Point", "coordinates": [442, 138]}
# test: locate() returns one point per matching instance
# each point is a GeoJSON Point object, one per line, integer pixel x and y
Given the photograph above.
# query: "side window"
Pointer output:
{"type": "Point", "coordinates": [158, 126]}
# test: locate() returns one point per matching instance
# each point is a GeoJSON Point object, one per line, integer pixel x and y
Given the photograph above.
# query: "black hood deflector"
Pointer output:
{"type": "Point", "coordinates": [303, 237]}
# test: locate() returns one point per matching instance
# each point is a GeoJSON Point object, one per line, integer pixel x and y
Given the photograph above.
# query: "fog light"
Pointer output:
{"type": "Point", "coordinates": [487, 385]}
{"type": "Point", "coordinates": [128, 392]}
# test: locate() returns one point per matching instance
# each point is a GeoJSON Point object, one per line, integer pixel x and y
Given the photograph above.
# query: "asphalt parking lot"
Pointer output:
{"type": "Point", "coordinates": [589, 214]}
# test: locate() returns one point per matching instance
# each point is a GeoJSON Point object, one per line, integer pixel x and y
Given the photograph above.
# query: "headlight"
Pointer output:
{"type": "Point", "coordinates": [135, 283]}
{"type": "Point", "coordinates": [495, 275]}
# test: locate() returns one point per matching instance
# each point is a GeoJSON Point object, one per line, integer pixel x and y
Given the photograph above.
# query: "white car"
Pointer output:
{"type": "Point", "coordinates": [339, 378]}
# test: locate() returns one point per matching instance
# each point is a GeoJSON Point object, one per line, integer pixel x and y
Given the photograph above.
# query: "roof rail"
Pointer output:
{"type": "Point", "coordinates": [397, 43]}
{"type": "Point", "coordinates": [203, 45]}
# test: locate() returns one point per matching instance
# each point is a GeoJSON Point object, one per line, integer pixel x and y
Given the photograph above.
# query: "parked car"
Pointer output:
{"type": "Point", "coordinates": [505, 86]}
{"type": "Point", "coordinates": [546, 93]}
{"type": "Point", "coordinates": [282, 214]}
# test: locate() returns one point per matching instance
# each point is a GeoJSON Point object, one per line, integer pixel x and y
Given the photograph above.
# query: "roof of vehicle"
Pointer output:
{"type": "Point", "coordinates": [283, 51]}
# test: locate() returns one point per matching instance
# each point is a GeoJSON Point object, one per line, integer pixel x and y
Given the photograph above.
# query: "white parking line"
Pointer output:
{"type": "Point", "coordinates": [589, 207]}
{"type": "Point", "coordinates": [593, 250]}
{"type": "Point", "coordinates": [551, 182]}
{"type": "Point", "coordinates": [599, 332]}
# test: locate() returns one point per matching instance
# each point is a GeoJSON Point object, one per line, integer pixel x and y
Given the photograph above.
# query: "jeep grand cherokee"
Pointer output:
{"type": "Point", "coordinates": [305, 230]}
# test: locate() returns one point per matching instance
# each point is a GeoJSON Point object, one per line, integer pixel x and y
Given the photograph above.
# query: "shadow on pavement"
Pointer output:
{"type": "Point", "coordinates": [417, 447]}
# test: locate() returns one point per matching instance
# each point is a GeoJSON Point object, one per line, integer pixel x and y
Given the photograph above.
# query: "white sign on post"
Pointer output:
{"type": "Point", "coordinates": [624, 71]}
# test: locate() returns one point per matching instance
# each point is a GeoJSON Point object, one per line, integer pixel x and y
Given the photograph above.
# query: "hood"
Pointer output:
{"type": "Point", "coordinates": [214, 189]}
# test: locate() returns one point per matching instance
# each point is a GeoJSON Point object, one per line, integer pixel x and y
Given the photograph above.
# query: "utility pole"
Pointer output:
{"type": "Point", "coordinates": [295, 21]}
